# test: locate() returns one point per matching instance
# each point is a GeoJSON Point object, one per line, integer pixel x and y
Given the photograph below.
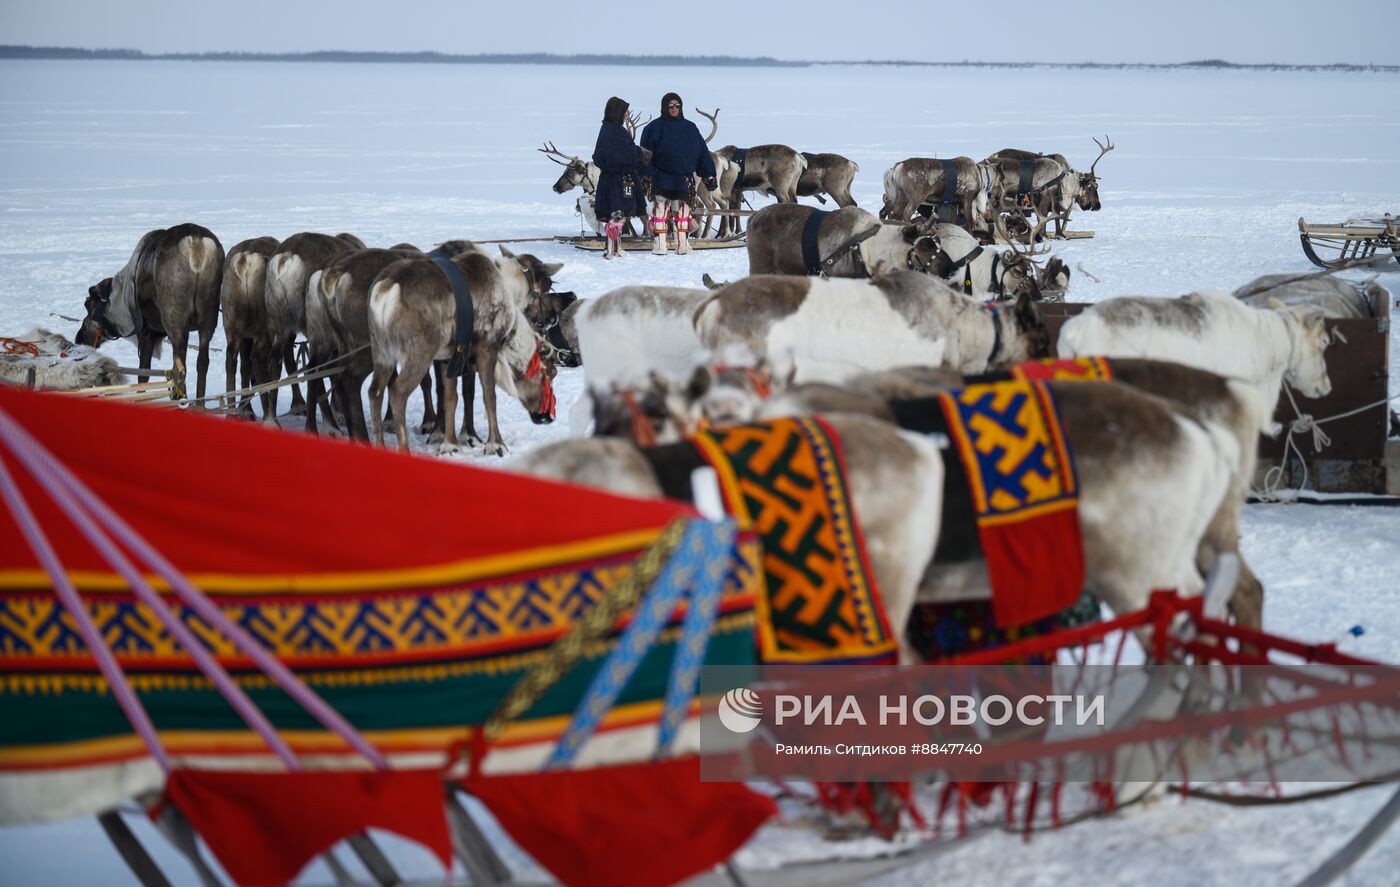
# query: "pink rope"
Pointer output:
{"type": "Point", "coordinates": [68, 596]}
{"type": "Point", "coordinates": [27, 448]}
{"type": "Point", "coordinates": [232, 693]}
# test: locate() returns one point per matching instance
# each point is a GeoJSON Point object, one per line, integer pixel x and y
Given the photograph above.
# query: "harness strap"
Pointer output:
{"type": "Point", "coordinates": [740, 158]}
{"type": "Point", "coordinates": [811, 249]}
{"type": "Point", "coordinates": [642, 432]}
{"type": "Point", "coordinates": [950, 182]}
{"type": "Point", "coordinates": [1027, 177]}
{"type": "Point", "coordinates": [466, 315]}
{"type": "Point", "coordinates": [996, 333]}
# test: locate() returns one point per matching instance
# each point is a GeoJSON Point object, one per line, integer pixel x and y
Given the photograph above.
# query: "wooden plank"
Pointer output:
{"type": "Point", "coordinates": [637, 247]}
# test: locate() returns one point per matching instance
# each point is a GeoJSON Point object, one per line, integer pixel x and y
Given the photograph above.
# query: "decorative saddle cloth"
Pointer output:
{"type": "Point", "coordinates": [786, 481]}
{"type": "Point", "coordinates": [1020, 488]}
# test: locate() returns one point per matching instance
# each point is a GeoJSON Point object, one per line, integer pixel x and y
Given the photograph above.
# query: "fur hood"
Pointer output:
{"type": "Point", "coordinates": [667, 99]}
{"type": "Point", "coordinates": [616, 111]}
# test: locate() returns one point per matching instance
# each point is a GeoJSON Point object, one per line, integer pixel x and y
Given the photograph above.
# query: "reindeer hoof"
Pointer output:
{"type": "Point", "coordinates": [448, 449]}
{"type": "Point", "coordinates": [298, 409]}
{"type": "Point", "coordinates": [436, 437]}
{"type": "Point", "coordinates": [495, 449]}
{"type": "Point", "coordinates": [472, 440]}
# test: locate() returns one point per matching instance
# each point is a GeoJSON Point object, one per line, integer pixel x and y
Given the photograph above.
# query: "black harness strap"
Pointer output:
{"type": "Point", "coordinates": [740, 158]}
{"type": "Point", "coordinates": [811, 250]}
{"type": "Point", "coordinates": [466, 315]}
{"type": "Point", "coordinates": [1027, 177]}
{"type": "Point", "coordinates": [950, 183]}
{"type": "Point", "coordinates": [957, 536]}
{"type": "Point", "coordinates": [996, 335]}
{"type": "Point", "coordinates": [811, 158]}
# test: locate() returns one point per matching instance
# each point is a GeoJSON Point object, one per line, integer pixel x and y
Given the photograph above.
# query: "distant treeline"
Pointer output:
{"type": "Point", "coordinates": [544, 58]}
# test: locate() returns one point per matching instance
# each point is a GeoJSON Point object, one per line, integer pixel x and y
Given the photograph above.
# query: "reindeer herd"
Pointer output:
{"type": "Point", "coordinates": [389, 315]}
{"type": "Point", "coordinates": [858, 317]}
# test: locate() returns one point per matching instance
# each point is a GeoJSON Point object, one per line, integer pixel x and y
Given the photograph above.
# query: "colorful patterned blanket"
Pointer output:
{"type": "Point", "coordinates": [786, 480]}
{"type": "Point", "coordinates": [410, 593]}
{"type": "Point", "coordinates": [1024, 494]}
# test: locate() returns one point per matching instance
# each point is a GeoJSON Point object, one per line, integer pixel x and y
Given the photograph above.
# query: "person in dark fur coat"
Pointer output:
{"type": "Point", "coordinates": [619, 161]}
{"type": "Point", "coordinates": [679, 153]}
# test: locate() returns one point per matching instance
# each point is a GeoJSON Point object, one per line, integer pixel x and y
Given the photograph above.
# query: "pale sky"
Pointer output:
{"type": "Point", "coordinates": [1245, 31]}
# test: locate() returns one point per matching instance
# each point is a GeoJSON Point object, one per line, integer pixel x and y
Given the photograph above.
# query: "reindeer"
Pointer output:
{"type": "Point", "coordinates": [168, 288]}
{"type": "Point", "coordinates": [832, 329]}
{"type": "Point", "coordinates": [1051, 191]}
{"type": "Point", "coordinates": [412, 316]}
{"type": "Point", "coordinates": [288, 272]}
{"type": "Point", "coordinates": [918, 180]}
{"type": "Point", "coordinates": [770, 169]}
{"type": "Point", "coordinates": [341, 290]}
{"type": "Point", "coordinates": [829, 174]}
{"type": "Point", "coordinates": [245, 314]}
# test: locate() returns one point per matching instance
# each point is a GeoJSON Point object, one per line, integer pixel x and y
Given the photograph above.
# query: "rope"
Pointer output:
{"type": "Point", "coordinates": [1303, 424]}
{"type": "Point", "coordinates": [19, 346]}
{"type": "Point", "coordinates": [306, 374]}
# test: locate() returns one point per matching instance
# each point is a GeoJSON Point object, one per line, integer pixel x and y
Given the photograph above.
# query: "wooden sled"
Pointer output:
{"type": "Point", "coordinates": [643, 244]}
{"type": "Point", "coordinates": [1350, 243]}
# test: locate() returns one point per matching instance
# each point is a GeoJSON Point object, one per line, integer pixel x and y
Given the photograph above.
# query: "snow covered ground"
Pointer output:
{"type": "Point", "coordinates": [1212, 171]}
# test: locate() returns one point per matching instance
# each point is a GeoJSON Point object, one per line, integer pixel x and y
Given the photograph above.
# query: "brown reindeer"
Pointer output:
{"type": "Point", "coordinates": [916, 181]}
{"type": "Point", "coordinates": [342, 291]}
{"type": "Point", "coordinates": [288, 273]}
{"type": "Point", "coordinates": [829, 174]}
{"type": "Point", "coordinates": [168, 288]}
{"type": "Point", "coordinates": [412, 315]}
{"type": "Point", "coordinates": [245, 313]}
{"type": "Point", "coordinates": [770, 169]}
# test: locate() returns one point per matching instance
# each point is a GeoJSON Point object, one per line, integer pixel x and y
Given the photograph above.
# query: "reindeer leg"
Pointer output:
{"type": "Point", "coordinates": [315, 395]}
{"type": "Point", "coordinates": [354, 406]}
{"type": "Point", "coordinates": [486, 368]}
{"type": "Point", "coordinates": [289, 360]}
{"type": "Point", "coordinates": [145, 346]}
{"type": "Point", "coordinates": [429, 414]}
{"type": "Point", "coordinates": [383, 374]}
{"type": "Point", "coordinates": [234, 346]}
{"type": "Point", "coordinates": [245, 358]}
{"type": "Point", "coordinates": [437, 432]}
{"type": "Point", "coordinates": [469, 434]}
{"type": "Point", "coordinates": [201, 364]}
{"type": "Point", "coordinates": [179, 345]}
{"type": "Point", "coordinates": [449, 411]}
{"type": "Point", "coordinates": [413, 370]}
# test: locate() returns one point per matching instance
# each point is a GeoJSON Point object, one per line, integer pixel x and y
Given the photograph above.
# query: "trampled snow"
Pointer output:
{"type": "Point", "coordinates": [1211, 173]}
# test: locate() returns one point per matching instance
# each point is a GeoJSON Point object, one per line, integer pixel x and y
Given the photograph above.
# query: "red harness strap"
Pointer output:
{"type": "Point", "coordinates": [642, 432]}
{"type": "Point", "coordinates": [762, 382]}
{"type": "Point", "coordinates": [536, 371]}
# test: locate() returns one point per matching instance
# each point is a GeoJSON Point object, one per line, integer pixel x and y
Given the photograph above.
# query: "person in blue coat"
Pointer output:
{"type": "Point", "coordinates": [619, 162]}
{"type": "Point", "coordinates": [678, 154]}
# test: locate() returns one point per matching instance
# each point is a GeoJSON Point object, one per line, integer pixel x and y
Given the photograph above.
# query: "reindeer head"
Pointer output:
{"type": "Point", "coordinates": [647, 416]}
{"type": "Point", "coordinates": [1309, 338]}
{"type": "Point", "coordinates": [1088, 197]}
{"type": "Point", "coordinates": [535, 386]}
{"type": "Point", "coordinates": [576, 171]}
{"type": "Point", "coordinates": [1022, 275]}
{"type": "Point", "coordinates": [96, 326]}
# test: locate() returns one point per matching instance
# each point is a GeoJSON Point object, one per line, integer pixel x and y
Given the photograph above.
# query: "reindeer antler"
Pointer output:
{"type": "Point", "coordinates": [714, 123]}
{"type": "Point", "coordinates": [1102, 151]}
{"type": "Point", "coordinates": [632, 121]}
{"type": "Point", "coordinates": [553, 153]}
{"type": "Point", "coordinates": [1032, 238]}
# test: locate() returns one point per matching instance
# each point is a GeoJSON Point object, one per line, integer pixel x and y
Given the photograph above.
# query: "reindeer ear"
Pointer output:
{"type": "Point", "coordinates": [553, 268]}
{"type": "Point", "coordinates": [910, 232]}
{"type": "Point", "coordinates": [507, 253]}
{"type": "Point", "coordinates": [699, 384]}
{"type": "Point", "coordinates": [1276, 304]}
{"type": "Point", "coordinates": [659, 382]}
